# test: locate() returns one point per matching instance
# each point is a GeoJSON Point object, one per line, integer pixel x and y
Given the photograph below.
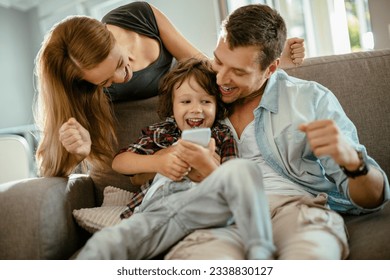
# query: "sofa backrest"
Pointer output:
{"type": "Point", "coordinates": [131, 117]}
{"type": "Point", "coordinates": [361, 82]}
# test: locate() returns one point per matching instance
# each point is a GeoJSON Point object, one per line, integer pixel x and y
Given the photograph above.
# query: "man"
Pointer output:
{"type": "Point", "coordinates": [297, 132]}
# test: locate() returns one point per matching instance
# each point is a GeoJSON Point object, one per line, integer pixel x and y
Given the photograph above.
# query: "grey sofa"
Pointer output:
{"type": "Point", "coordinates": [36, 219]}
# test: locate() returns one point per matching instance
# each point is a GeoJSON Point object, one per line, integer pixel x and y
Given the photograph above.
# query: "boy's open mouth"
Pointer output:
{"type": "Point", "coordinates": [194, 122]}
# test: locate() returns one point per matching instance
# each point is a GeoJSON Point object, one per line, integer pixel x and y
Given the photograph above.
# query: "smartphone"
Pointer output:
{"type": "Point", "coordinates": [200, 136]}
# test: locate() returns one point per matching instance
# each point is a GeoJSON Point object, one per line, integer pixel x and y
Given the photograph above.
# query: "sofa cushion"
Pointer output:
{"type": "Point", "coordinates": [369, 235]}
{"type": "Point", "coordinates": [116, 197]}
{"type": "Point", "coordinates": [96, 218]}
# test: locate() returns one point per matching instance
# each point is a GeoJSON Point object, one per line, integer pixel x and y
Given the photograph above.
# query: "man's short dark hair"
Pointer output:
{"type": "Point", "coordinates": [256, 25]}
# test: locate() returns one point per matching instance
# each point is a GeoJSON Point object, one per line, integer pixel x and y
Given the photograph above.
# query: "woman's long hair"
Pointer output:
{"type": "Point", "coordinates": [74, 44]}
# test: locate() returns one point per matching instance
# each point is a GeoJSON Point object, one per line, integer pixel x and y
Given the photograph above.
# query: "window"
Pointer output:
{"type": "Point", "coordinates": [328, 26]}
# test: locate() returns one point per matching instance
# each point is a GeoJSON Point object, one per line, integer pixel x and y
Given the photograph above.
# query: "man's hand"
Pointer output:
{"type": "Point", "coordinates": [75, 139]}
{"type": "Point", "coordinates": [325, 139]}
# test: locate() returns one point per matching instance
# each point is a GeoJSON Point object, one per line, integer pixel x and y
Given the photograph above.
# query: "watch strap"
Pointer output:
{"type": "Point", "coordinates": [361, 170]}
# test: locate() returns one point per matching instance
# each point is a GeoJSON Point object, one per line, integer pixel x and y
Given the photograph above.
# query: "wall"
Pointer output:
{"type": "Point", "coordinates": [17, 48]}
{"type": "Point", "coordinates": [380, 22]}
{"type": "Point", "coordinates": [198, 20]}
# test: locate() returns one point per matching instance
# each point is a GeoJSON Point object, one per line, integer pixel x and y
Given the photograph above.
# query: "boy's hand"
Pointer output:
{"type": "Point", "coordinates": [75, 139]}
{"type": "Point", "coordinates": [171, 166]}
{"type": "Point", "coordinates": [199, 158]}
{"type": "Point", "coordinates": [325, 139]}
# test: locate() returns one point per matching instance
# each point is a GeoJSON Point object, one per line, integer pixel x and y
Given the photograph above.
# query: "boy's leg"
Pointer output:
{"type": "Point", "coordinates": [147, 233]}
{"type": "Point", "coordinates": [235, 188]}
{"type": "Point", "coordinates": [223, 243]}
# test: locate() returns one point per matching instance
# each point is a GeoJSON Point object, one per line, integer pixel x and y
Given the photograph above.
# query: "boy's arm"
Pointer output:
{"type": "Point", "coordinates": [167, 164]}
{"type": "Point", "coordinates": [141, 178]}
{"type": "Point", "coordinates": [130, 163]}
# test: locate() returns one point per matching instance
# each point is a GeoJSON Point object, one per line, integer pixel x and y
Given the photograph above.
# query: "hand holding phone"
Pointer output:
{"type": "Point", "coordinates": [200, 136]}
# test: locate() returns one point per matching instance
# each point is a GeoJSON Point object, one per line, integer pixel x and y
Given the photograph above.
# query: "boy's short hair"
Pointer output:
{"type": "Point", "coordinates": [201, 71]}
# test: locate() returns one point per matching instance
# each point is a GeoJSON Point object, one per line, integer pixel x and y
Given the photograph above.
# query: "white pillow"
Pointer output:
{"type": "Point", "coordinates": [114, 203]}
{"type": "Point", "coordinates": [116, 197]}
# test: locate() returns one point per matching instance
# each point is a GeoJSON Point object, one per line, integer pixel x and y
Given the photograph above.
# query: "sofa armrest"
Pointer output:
{"type": "Point", "coordinates": [36, 217]}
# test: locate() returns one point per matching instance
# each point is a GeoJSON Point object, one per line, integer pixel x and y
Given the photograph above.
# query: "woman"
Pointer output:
{"type": "Point", "coordinates": [81, 58]}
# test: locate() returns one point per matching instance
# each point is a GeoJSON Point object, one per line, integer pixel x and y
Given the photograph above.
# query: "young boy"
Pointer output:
{"type": "Point", "coordinates": [188, 99]}
{"type": "Point", "coordinates": [177, 205]}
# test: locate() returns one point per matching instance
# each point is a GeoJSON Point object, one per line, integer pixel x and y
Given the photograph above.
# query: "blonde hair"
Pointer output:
{"type": "Point", "coordinates": [74, 44]}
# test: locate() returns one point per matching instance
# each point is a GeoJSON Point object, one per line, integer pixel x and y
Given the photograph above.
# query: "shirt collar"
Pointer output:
{"type": "Point", "coordinates": [270, 98]}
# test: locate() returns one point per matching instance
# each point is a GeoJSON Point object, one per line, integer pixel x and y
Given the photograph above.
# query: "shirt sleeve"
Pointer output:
{"type": "Point", "coordinates": [145, 144]}
{"type": "Point", "coordinates": [330, 108]}
{"type": "Point", "coordinates": [154, 138]}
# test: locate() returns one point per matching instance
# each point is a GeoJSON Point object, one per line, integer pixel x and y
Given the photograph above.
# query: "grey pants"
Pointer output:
{"type": "Point", "coordinates": [231, 191]}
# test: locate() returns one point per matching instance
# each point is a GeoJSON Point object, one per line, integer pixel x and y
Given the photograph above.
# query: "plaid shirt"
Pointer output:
{"type": "Point", "coordinates": [163, 135]}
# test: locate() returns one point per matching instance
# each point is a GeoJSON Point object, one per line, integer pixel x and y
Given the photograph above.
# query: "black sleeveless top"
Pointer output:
{"type": "Point", "coordinates": [139, 17]}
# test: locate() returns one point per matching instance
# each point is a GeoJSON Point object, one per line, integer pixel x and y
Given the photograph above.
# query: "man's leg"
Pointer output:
{"type": "Point", "coordinates": [304, 229]}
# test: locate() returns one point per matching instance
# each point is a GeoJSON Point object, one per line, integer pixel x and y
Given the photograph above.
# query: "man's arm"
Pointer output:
{"type": "Point", "coordinates": [325, 139]}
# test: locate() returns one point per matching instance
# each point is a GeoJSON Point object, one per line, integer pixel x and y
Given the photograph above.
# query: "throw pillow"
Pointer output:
{"type": "Point", "coordinates": [116, 197]}
{"type": "Point", "coordinates": [114, 203]}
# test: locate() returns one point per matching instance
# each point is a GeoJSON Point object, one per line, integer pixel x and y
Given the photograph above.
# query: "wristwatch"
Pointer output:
{"type": "Point", "coordinates": [361, 170]}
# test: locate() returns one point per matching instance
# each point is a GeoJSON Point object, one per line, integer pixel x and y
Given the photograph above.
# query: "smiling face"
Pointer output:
{"type": "Point", "coordinates": [115, 68]}
{"type": "Point", "coordinates": [193, 106]}
{"type": "Point", "coordinates": [238, 71]}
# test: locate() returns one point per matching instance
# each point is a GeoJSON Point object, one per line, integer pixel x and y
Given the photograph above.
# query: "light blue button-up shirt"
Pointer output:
{"type": "Point", "coordinates": [286, 103]}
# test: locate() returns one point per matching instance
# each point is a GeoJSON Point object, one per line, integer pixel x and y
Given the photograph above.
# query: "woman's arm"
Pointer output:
{"type": "Point", "coordinates": [75, 139]}
{"type": "Point", "coordinates": [293, 53]}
